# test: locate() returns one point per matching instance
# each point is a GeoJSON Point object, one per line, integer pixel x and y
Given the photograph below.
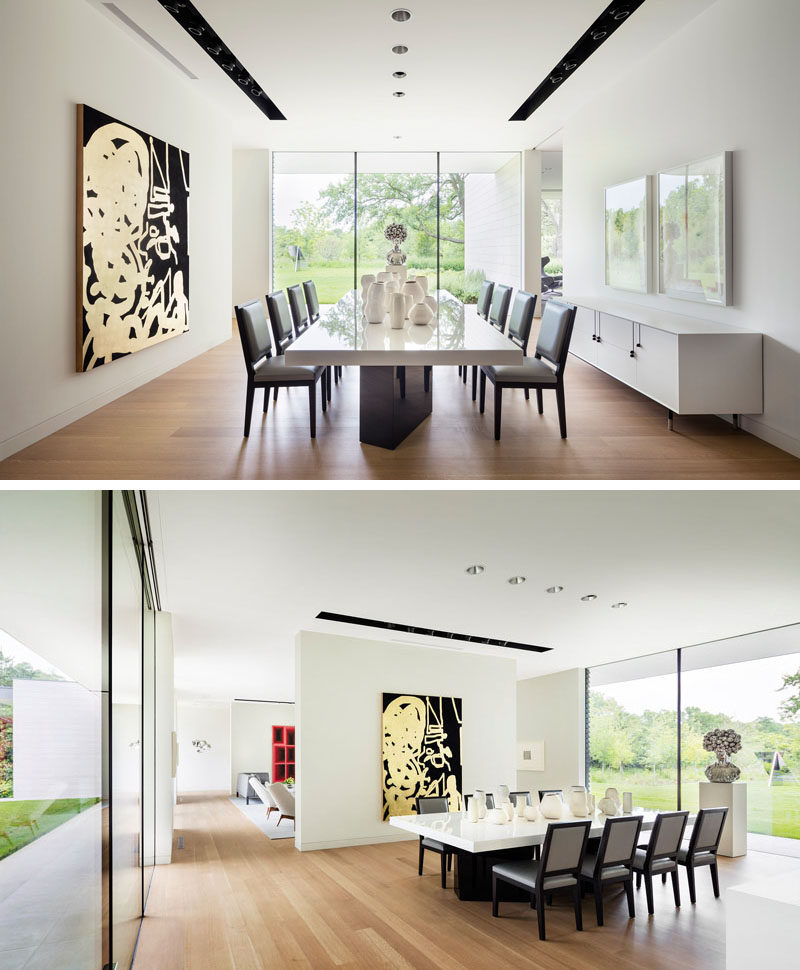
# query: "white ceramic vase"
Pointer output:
{"type": "Point", "coordinates": [397, 317]}
{"type": "Point", "coordinates": [431, 302]}
{"type": "Point", "coordinates": [627, 802]}
{"type": "Point", "coordinates": [413, 293]}
{"type": "Point", "coordinates": [422, 314]}
{"type": "Point", "coordinates": [375, 307]}
{"type": "Point", "coordinates": [423, 282]}
{"type": "Point", "coordinates": [607, 806]}
{"type": "Point", "coordinates": [366, 280]}
{"type": "Point", "coordinates": [522, 804]}
{"type": "Point", "coordinates": [384, 276]}
{"type": "Point", "coordinates": [391, 286]}
{"type": "Point", "coordinates": [496, 816]}
{"type": "Point", "coordinates": [501, 794]}
{"type": "Point", "coordinates": [508, 808]}
{"type": "Point", "coordinates": [531, 813]}
{"type": "Point", "coordinates": [551, 807]}
{"type": "Point", "coordinates": [590, 803]}
{"type": "Point", "coordinates": [577, 803]}
{"type": "Point", "coordinates": [472, 806]}
{"type": "Point", "coordinates": [613, 794]}
{"type": "Point", "coordinates": [480, 800]}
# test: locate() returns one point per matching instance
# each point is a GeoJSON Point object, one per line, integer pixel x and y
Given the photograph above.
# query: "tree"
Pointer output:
{"type": "Point", "coordinates": [11, 670]}
{"type": "Point", "coordinates": [791, 706]}
{"type": "Point", "coordinates": [410, 199]}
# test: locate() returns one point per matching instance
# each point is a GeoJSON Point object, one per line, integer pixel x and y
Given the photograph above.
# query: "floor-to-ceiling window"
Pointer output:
{"type": "Point", "coordinates": [648, 717]}
{"type": "Point", "coordinates": [461, 212]}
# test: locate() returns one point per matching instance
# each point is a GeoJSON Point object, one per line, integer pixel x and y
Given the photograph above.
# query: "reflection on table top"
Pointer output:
{"type": "Point", "coordinates": [456, 335]}
{"type": "Point", "coordinates": [453, 828]}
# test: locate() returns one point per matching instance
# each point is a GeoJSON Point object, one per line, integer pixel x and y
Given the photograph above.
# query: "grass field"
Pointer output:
{"type": "Point", "coordinates": [770, 811]}
{"type": "Point", "coordinates": [23, 821]}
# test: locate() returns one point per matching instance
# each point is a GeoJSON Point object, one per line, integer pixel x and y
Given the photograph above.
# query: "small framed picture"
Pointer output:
{"type": "Point", "coordinates": [530, 756]}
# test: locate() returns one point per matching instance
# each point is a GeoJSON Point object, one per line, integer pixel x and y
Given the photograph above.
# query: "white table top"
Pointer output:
{"type": "Point", "coordinates": [456, 335]}
{"type": "Point", "coordinates": [453, 828]}
{"type": "Point", "coordinates": [653, 316]}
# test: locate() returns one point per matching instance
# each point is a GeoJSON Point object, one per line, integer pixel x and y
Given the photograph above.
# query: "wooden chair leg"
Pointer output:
{"type": "Point", "coordinates": [312, 407]}
{"type": "Point", "coordinates": [474, 382]}
{"type": "Point", "coordinates": [459, 370]}
{"type": "Point", "coordinates": [576, 900]}
{"type": "Point", "coordinates": [483, 392]}
{"type": "Point", "coordinates": [266, 399]}
{"type": "Point", "coordinates": [638, 880]}
{"type": "Point", "coordinates": [676, 887]}
{"type": "Point", "coordinates": [715, 879]}
{"type": "Point", "coordinates": [275, 394]}
{"type": "Point", "coordinates": [690, 880]}
{"type": "Point", "coordinates": [539, 400]}
{"type": "Point", "coordinates": [449, 861]}
{"type": "Point", "coordinates": [540, 913]}
{"type": "Point", "coordinates": [648, 886]}
{"type": "Point", "coordinates": [248, 408]}
{"type": "Point", "coordinates": [562, 409]}
{"type": "Point", "coordinates": [527, 394]}
{"type": "Point", "coordinates": [495, 900]}
{"type": "Point", "coordinates": [498, 410]}
{"type": "Point", "coordinates": [629, 894]}
{"type": "Point", "coordinates": [464, 373]}
{"type": "Point", "coordinates": [663, 878]}
{"type": "Point", "coordinates": [421, 854]}
{"type": "Point", "coordinates": [598, 901]}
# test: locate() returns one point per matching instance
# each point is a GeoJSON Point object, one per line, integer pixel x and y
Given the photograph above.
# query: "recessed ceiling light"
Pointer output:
{"type": "Point", "coordinates": [517, 580]}
{"type": "Point", "coordinates": [397, 136]}
{"type": "Point", "coordinates": [589, 598]}
{"type": "Point", "coordinates": [618, 606]}
{"type": "Point", "coordinates": [554, 589]}
{"type": "Point", "coordinates": [401, 15]}
{"type": "Point", "coordinates": [399, 74]}
{"type": "Point", "coordinates": [400, 49]}
{"type": "Point", "coordinates": [477, 569]}
{"type": "Point", "coordinates": [398, 94]}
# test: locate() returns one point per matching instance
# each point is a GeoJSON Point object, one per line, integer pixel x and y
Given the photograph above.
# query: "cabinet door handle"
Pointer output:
{"type": "Point", "coordinates": [633, 354]}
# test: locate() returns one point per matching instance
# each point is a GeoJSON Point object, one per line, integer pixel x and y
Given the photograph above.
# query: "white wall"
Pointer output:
{"type": "Point", "coordinates": [164, 726]}
{"type": "Point", "coordinates": [492, 231]}
{"type": "Point", "coordinates": [251, 735]}
{"type": "Point", "coordinates": [338, 694]}
{"type": "Point", "coordinates": [553, 709]}
{"type": "Point", "coordinates": [211, 770]}
{"type": "Point", "coordinates": [252, 218]}
{"type": "Point", "coordinates": [739, 95]}
{"type": "Point", "coordinates": [54, 54]}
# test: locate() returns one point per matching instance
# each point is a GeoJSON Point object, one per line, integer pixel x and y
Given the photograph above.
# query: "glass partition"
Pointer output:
{"type": "Point", "coordinates": [313, 221]}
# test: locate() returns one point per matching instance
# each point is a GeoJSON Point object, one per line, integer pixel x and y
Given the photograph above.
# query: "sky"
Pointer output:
{"type": "Point", "coordinates": [290, 190]}
{"type": "Point", "coordinates": [22, 654]}
{"type": "Point", "coordinates": [743, 691]}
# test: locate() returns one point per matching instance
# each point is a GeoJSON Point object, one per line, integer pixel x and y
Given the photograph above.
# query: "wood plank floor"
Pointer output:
{"type": "Point", "coordinates": [187, 424]}
{"type": "Point", "coordinates": [233, 900]}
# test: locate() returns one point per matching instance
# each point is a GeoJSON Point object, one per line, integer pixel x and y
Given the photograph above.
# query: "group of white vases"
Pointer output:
{"type": "Point", "coordinates": [403, 297]}
{"type": "Point", "coordinates": [578, 801]}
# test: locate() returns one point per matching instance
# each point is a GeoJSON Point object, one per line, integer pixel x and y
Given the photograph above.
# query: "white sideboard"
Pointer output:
{"type": "Point", "coordinates": [761, 923]}
{"type": "Point", "coordinates": [690, 366]}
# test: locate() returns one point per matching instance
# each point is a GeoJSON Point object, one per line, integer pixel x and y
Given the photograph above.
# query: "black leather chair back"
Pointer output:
{"type": "Point", "coordinates": [297, 304]}
{"type": "Point", "coordinates": [430, 804]}
{"type": "Point", "coordinates": [312, 302]}
{"type": "Point", "coordinates": [498, 311]}
{"type": "Point", "coordinates": [519, 324]}
{"type": "Point", "coordinates": [253, 332]}
{"type": "Point", "coordinates": [556, 332]}
{"type": "Point", "coordinates": [280, 320]}
{"type": "Point", "coordinates": [485, 298]}
{"type": "Point", "coordinates": [707, 830]}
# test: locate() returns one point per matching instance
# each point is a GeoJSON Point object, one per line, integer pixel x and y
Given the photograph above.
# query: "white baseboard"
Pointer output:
{"type": "Point", "coordinates": [344, 843]}
{"type": "Point", "coordinates": [163, 860]}
{"type": "Point", "coordinates": [10, 446]}
{"type": "Point", "coordinates": [772, 436]}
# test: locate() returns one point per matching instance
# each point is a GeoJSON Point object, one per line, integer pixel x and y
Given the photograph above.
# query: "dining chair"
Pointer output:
{"type": "Point", "coordinates": [703, 846]}
{"type": "Point", "coordinates": [559, 868]}
{"type": "Point", "coordinates": [543, 371]}
{"type": "Point", "coordinates": [284, 799]}
{"type": "Point", "coordinates": [489, 800]}
{"type": "Point", "coordinates": [660, 854]}
{"type": "Point", "coordinates": [264, 370]}
{"type": "Point", "coordinates": [498, 314]}
{"type": "Point", "coordinates": [514, 794]}
{"type": "Point", "coordinates": [482, 307]}
{"type": "Point", "coordinates": [551, 791]}
{"type": "Point", "coordinates": [310, 291]}
{"type": "Point", "coordinates": [519, 329]}
{"type": "Point", "coordinates": [301, 322]}
{"type": "Point", "coordinates": [613, 862]}
{"type": "Point", "coordinates": [264, 794]}
{"type": "Point", "coordinates": [429, 805]}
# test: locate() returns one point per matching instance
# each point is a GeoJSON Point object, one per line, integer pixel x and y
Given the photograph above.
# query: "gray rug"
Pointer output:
{"type": "Point", "coordinates": [257, 813]}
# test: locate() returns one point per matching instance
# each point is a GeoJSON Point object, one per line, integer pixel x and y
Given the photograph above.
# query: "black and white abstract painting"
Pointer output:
{"type": "Point", "coordinates": [421, 751]}
{"type": "Point", "coordinates": [133, 258]}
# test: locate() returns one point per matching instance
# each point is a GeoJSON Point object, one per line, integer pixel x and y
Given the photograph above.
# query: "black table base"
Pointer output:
{"type": "Point", "coordinates": [394, 401]}
{"type": "Point", "coordinates": [472, 873]}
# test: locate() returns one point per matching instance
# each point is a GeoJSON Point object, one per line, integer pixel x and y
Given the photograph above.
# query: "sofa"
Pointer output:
{"type": "Point", "coordinates": [243, 789]}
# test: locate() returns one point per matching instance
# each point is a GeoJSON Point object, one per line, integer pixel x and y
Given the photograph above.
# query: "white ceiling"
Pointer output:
{"type": "Point", "coordinates": [328, 67]}
{"type": "Point", "coordinates": [243, 571]}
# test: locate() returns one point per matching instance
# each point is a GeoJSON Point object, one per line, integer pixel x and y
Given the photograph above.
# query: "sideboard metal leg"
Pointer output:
{"type": "Point", "coordinates": [736, 422]}
{"type": "Point", "coordinates": [669, 420]}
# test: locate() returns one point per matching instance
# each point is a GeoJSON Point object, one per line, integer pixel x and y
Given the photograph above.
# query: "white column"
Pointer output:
{"type": "Point", "coordinates": [734, 798]}
{"type": "Point", "coordinates": [532, 225]}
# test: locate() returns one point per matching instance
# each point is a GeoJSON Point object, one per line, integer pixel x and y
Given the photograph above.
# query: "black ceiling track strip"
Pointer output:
{"type": "Point", "coordinates": [610, 20]}
{"type": "Point", "coordinates": [193, 22]}
{"type": "Point", "coordinates": [426, 632]}
{"type": "Point", "coordinates": [259, 700]}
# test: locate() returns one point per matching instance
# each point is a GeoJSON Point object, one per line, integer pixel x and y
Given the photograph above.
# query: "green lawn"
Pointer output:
{"type": "Point", "coordinates": [770, 811]}
{"type": "Point", "coordinates": [23, 821]}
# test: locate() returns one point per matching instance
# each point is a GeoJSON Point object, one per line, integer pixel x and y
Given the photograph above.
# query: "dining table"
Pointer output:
{"type": "Point", "coordinates": [396, 365]}
{"type": "Point", "coordinates": [477, 846]}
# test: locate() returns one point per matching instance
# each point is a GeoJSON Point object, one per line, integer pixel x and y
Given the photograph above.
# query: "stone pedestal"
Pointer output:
{"type": "Point", "coordinates": [734, 797]}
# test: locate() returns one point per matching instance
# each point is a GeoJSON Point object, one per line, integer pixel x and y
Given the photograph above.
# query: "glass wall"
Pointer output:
{"type": "Point", "coordinates": [750, 684]}
{"type": "Point", "coordinates": [461, 212]}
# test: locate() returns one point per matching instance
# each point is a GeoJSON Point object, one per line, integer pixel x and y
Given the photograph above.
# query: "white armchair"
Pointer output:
{"type": "Point", "coordinates": [284, 799]}
{"type": "Point", "coordinates": [265, 795]}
